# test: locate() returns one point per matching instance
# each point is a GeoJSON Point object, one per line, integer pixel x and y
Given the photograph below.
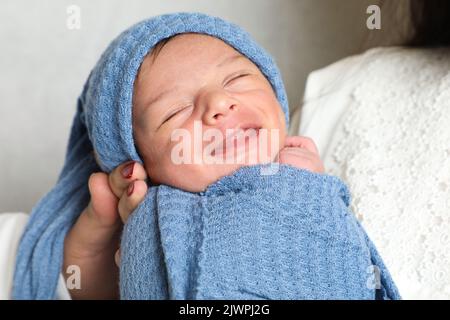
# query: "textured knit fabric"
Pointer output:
{"type": "Point", "coordinates": [289, 235]}
{"type": "Point", "coordinates": [103, 123]}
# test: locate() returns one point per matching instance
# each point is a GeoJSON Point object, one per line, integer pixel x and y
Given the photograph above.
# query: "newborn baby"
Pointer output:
{"type": "Point", "coordinates": [236, 209]}
{"type": "Point", "coordinates": [195, 78]}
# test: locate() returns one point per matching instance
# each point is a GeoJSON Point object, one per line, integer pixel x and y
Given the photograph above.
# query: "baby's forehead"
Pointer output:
{"type": "Point", "coordinates": [191, 44]}
{"type": "Point", "coordinates": [188, 53]}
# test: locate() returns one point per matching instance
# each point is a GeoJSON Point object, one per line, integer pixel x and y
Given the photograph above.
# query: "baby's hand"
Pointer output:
{"type": "Point", "coordinates": [301, 152]}
{"type": "Point", "coordinates": [92, 243]}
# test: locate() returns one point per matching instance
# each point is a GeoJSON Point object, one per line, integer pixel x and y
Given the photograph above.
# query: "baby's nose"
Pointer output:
{"type": "Point", "coordinates": [218, 106]}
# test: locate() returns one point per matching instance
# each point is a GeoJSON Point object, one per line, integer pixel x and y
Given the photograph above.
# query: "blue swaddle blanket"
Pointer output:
{"type": "Point", "coordinates": [289, 235]}
{"type": "Point", "coordinates": [198, 245]}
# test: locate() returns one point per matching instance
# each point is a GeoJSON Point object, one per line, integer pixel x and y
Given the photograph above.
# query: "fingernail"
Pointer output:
{"type": "Point", "coordinates": [127, 171]}
{"type": "Point", "coordinates": [130, 188]}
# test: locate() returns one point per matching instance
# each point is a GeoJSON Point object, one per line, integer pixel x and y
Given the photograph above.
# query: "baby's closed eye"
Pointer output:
{"type": "Point", "coordinates": [175, 112]}
{"type": "Point", "coordinates": [236, 77]}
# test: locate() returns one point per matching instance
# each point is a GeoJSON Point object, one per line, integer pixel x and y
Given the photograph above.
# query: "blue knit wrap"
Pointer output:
{"type": "Point", "coordinates": [103, 122]}
{"type": "Point", "coordinates": [289, 235]}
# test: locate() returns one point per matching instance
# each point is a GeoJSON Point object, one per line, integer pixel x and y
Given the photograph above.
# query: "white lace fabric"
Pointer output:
{"type": "Point", "coordinates": [392, 147]}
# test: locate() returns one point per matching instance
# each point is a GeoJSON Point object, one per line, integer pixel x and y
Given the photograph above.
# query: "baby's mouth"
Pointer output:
{"type": "Point", "coordinates": [237, 140]}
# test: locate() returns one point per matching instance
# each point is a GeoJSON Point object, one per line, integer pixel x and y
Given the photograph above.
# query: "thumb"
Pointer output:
{"type": "Point", "coordinates": [103, 208]}
{"type": "Point", "coordinates": [99, 225]}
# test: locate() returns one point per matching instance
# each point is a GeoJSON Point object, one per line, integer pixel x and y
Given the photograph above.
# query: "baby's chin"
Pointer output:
{"type": "Point", "coordinates": [196, 178]}
{"type": "Point", "coordinates": [199, 182]}
{"type": "Point", "coordinates": [201, 171]}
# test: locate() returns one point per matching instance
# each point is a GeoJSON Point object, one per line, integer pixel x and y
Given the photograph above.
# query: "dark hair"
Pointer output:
{"type": "Point", "coordinates": [430, 23]}
{"type": "Point", "coordinates": [158, 47]}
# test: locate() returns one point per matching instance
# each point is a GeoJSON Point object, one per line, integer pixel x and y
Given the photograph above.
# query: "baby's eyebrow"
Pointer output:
{"type": "Point", "coordinates": [230, 60]}
{"type": "Point", "coordinates": [160, 96]}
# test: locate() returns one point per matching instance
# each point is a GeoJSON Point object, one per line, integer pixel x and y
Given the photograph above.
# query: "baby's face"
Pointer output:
{"type": "Point", "coordinates": [197, 81]}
